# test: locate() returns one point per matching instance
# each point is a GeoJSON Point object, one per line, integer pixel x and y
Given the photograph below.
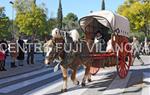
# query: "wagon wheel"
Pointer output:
{"type": "Point", "coordinates": [123, 65]}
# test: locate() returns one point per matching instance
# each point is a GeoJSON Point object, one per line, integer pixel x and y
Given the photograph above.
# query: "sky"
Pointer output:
{"type": "Point", "coordinates": [79, 7]}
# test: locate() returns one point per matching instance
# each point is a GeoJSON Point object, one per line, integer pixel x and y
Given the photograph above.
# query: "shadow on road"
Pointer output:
{"type": "Point", "coordinates": [135, 79]}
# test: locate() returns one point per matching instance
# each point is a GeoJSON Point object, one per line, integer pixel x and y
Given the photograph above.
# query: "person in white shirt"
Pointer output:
{"type": "Point", "coordinates": [109, 47]}
{"type": "Point", "coordinates": [99, 41]}
{"type": "Point", "coordinates": [146, 48]}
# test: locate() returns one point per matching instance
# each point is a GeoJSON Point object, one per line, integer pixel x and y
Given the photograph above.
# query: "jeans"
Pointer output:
{"type": "Point", "coordinates": [30, 58]}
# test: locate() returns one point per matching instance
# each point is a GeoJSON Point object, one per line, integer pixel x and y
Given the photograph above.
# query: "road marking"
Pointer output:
{"type": "Point", "coordinates": [48, 87]}
{"type": "Point", "coordinates": [44, 89]}
{"type": "Point", "coordinates": [10, 88]}
{"type": "Point", "coordinates": [76, 91]}
{"type": "Point", "coordinates": [102, 74]}
{"type": "Point", "coordinates": [146, 80]}
{"type": "Point", "coordinates": [80, 91]}
{"type": "Point", "coordinates": [117, 86]}
{"type": "Point", "coordinates": [9, 79]}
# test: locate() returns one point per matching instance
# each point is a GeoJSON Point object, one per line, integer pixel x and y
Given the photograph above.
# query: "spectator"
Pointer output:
{"type": "Point", "coordinates": [99, 41]}
{"type": "Point", "coordinates": [149, 47]}
{"type": "Point", "coordinates": [142, 48]}
{"type": "Point", "coordinates": [30, 51]}
{"type": "Point", "coordinates": [109, 47]}
{"type": "Point", "coordinates": [20, 56]}
{"type": "Point", "coordinates": [2, 58]}
{"type": "Point", "coordinates": [4, 46]}
{"type": "Point", "coordinates": [146, 48]}
{"type": "Point", "coordinates": [13, 52]}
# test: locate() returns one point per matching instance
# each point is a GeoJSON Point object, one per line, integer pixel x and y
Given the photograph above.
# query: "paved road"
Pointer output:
{"type": "Point", "coordinates": [106, 82]}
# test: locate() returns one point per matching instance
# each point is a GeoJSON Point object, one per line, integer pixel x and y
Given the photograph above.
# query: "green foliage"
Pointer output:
{"type": "Point", "coordinates": [51, 24]}
{"type": "Point", "coordinates": [30, 19]}
{"type": "Point", "coordinates": [70, 21]}
{"type": "Point", "coordinates": [59, 16]}
{"type": "Point", "coordinates": [4, 24]}
{"type": "Point", "coordinates": [138, 13]}
{"type": "Point", "coordinates": [23, 5]}
{"type": "Point", "coordinates": [139, 35]}
{"type": "Point", "coordinates": [72, 17]}
{"type": "Point", "coordinates": [4, 20]}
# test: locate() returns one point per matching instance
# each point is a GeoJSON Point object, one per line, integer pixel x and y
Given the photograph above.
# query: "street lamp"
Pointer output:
{"type": "Point", "coordinates": [12, 3]}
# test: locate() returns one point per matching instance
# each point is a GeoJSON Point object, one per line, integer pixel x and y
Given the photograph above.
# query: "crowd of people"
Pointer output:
{"type": "Point", "coordinates": [145, 48]}
{"type": "Point", "coordinates": [17, 53]}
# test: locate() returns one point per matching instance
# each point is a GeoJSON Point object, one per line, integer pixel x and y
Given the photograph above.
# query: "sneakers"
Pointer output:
{"type": "Point", "coordinates": [13, 65]}
{"type": "Point", "coordinates": [3, 69]}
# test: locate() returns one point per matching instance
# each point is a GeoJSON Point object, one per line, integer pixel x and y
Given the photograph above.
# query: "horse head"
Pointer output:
{"type": "Point", "coordinates": [56, 33]}
{"type": "Point", "coordinates": [52, 52]}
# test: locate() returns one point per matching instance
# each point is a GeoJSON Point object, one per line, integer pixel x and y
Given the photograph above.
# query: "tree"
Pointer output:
{"type": "Point", "coordinates": [103, 5]}
{"type": "Point", "coordinates": [4, 24]}
{"type": "Point", "coordinates": [30, 19]}
{"type": "Point", "coordinates": [137, 11]}
{"type": "Point", "coordinates": [59, 15]}
{"type": "Point", "coordinates": [52, 23]}
{"type": "Point", "coordinates": [72, 16]}
{"type": "Point", "coordinates": [70, 21]}
{"type": "Point", "coordinates": [4, 20]}
{"type": "Point", "coordinates": [23, 5]}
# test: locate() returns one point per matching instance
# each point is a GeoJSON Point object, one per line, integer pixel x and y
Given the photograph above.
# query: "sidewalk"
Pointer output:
{"type": "Point", "coordinates": [20, 70]}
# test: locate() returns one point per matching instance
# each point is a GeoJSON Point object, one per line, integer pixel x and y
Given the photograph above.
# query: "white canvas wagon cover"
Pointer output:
{"type": "Point", "coordinates": [115, 21]}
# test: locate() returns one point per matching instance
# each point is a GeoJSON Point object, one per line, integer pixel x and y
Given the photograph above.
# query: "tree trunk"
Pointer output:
{"type": "Point", "coordinates": [146, 30]}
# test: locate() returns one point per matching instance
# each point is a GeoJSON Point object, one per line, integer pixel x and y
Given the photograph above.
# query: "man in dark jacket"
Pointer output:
{"type": "Point", "coordinates": [20, 56]}
{"type": "Point", "coordinates": [30, 51]}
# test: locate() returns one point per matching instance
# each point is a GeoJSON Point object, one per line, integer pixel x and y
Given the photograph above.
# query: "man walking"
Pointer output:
{"type": "Point", "coordinates": [136, 51]}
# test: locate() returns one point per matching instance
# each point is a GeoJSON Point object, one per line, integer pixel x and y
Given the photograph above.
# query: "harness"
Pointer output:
{"type": "Point", "coordinates": [56, 53]}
